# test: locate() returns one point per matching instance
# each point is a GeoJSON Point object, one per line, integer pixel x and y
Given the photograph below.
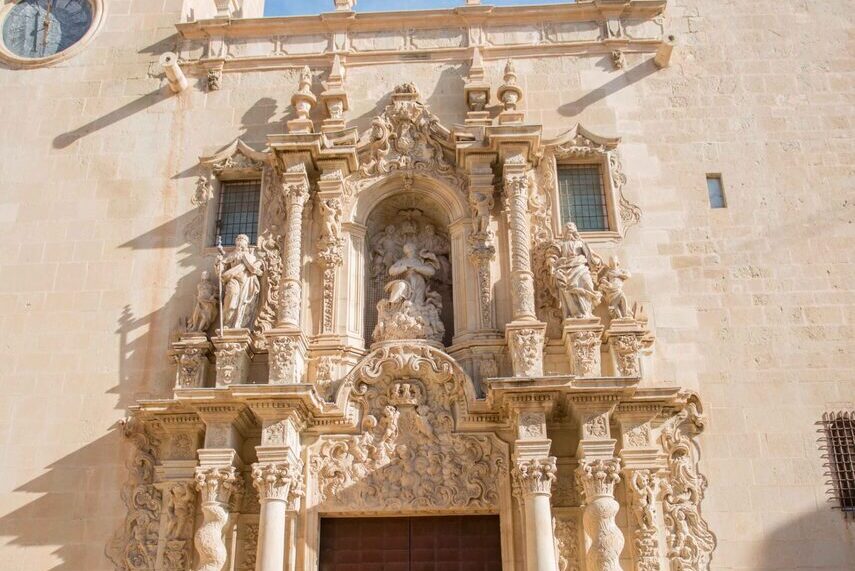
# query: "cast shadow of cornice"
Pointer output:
{"type": "Point", "coordinates": [75, 510]}
{"type": "Point", "coordinates": [631, 76]}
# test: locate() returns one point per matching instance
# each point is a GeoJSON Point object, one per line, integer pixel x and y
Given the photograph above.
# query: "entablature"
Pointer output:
{"type": "Point", "coordinates": [595, 26]}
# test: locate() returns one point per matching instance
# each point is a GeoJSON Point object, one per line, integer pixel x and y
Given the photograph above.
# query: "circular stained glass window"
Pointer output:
{"type": "Point", "coordinates": [37, 29]}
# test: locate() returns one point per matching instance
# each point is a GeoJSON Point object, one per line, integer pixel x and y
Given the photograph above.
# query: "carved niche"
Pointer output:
{"type": "Point", "coordinates": [408, 455]}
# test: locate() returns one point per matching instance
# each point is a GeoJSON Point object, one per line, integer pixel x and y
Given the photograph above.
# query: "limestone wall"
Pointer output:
{"type": "Point", "coordinates": [752, 305]}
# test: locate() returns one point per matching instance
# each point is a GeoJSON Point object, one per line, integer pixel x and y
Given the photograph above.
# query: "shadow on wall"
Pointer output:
{"type": "Point", "coordinates": [631, 76]}
{"type": "Point", "coordinates": [794, 545]}
{"type": "Point", "coordinates": [71, 490]}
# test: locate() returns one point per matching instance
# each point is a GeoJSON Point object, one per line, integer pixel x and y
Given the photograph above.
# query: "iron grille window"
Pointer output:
{"type": "Point", "coordinates": [838, 438]}
{"type": "Point", "coordinates": [238, 211]}
{"type": "Point", "coordinates": [582, 197]}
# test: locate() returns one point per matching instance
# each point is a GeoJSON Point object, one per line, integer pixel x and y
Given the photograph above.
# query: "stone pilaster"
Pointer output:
{"type": "Point", "coordinates": [331, 245]}
{"type": "Point", "coordinates": [643, 464]}
{"type": "Point", "coordinates": [482, 246]}
{"type": "Point", "coordinates": [582, 339]}
{"type": "Point", "coordinates": [233, 349]}
{"type": "Point", "coordinates": [192, 354]}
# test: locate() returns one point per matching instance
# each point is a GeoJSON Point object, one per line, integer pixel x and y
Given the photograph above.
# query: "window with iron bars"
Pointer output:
{"type": "Point", "coordinates": [838, 446]}
{"type": "Point", "coordinates": [582, 198]}
{"type": "Point", "coordinates": [238, 211]}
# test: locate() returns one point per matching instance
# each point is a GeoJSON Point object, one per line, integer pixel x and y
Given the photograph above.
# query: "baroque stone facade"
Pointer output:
{"type": "Point", "coordinates": [417, 326]}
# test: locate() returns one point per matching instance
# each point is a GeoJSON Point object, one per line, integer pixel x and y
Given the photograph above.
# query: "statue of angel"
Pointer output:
{"type": "Point", "coordinates": [611, 284]}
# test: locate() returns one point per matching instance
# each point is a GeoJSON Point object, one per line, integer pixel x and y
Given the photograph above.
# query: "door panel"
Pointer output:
{"type": "Point", "coordinates": [464, 543]}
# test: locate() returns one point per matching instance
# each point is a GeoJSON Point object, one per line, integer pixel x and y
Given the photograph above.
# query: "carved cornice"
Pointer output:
{"type": "Point", "coordinates": [576, 28]}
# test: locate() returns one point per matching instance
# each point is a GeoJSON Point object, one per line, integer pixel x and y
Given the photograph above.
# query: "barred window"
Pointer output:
{"type": "Point", "coordinates": [838, 439]}
{"type": "Point", "coordinates": [582, 198]}
{"type": "Point", "coordinates": [238, 211]}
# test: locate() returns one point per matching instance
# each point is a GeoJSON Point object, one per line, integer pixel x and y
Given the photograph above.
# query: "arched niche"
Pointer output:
{"type": "Point", "coordinates": [376, 206]}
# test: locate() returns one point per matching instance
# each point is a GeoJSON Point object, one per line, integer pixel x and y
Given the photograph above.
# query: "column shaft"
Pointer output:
{"type": "Point", "coordinates": [271, 535]}
{"type": "Point", "coordinates": [296, 194]}
{"type": "Point", "coordinates": [517, 190]}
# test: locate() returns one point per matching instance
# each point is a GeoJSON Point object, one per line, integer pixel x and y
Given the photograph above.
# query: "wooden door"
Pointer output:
{"type": "Point", "coordinates": [458, 543]}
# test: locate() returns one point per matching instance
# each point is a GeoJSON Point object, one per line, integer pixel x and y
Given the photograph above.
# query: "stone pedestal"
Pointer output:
{"type": "Point", "coordinates": [582, 340]}
{"type": "Point", "coordinates": [624, 337]}
{"type": "Point", "coordinates": [525, 341]}
{"type": "Point", "coordinates": [288, 353]}
{"type": "Point", "coordinates": [192, 354]}
{"type": "Point", "coordinates": [234, 352]}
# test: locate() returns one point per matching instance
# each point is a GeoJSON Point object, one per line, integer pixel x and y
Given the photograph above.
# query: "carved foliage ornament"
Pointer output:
{"type": "Point", "coordinates": [405, 137]}
{"type": "Point", "coordinates": [690, 542]}
{"type": "Point", "coordinates": [535, 476]}
{"type": "Point", "coordinates": [134, 546]}
{"type": "Point", "coordinates": [643, 487]}
{"type": "Point", "coordinates": [567, 543]}
{"type": "Point", "coordinates": [407, 455]}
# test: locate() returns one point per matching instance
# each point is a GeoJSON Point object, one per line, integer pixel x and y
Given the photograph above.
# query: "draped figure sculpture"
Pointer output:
{"type": "Point", "coordinates": [412, 309]}
{"type": "Point", "coordinates": [571, 262]}
{"type": "Point", "coordinates": [239, 273]}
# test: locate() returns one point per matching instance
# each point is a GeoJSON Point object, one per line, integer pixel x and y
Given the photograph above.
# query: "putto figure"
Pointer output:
{"type": "Point", "coordinates": [611, 284]}
{"type": "Point", "coordinates": [239, 273]}
{"type": "Point", "coordinates": [206, 306]}
{"type": "Point", "coordinates": [412, 310]}
{"type": "Point", "coordinates": [571, 263]}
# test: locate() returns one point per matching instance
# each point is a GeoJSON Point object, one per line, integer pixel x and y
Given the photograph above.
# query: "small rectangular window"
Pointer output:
{"type": "Point", "coordinates": [238, 211]}
{"type": "Point", "coordinates": [838, 438]}
{"type": "Point", "coordinates": [716, 191]}
{"type": "Point", "coordinates": [582, 197]}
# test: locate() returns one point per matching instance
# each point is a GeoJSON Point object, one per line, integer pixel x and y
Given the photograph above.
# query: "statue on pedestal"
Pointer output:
{"type": "Point", "coordinates": [205, 310]}
{"type": "Point", "coordinates": [572, 265]}
{"type": "Point", "coordinates": [239, 272]}
{"type": "Point", "coordinates": [611, 284]}
{"type": "Point", "coordinates": [412, 310]}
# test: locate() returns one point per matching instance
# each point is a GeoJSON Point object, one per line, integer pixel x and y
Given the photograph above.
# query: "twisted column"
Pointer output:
{"type": "Point", "coordinates": [517, 193]}
{"type": "Point", "coordinates": [215, 485]}
{"type": "Point", "coordinates": [296, 193]}
{"type": "Point", "coordinates": [598, 478]}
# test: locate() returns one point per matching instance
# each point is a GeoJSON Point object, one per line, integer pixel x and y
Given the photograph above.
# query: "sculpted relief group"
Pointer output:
{"type": "Point", "coordinates": [415, 331]}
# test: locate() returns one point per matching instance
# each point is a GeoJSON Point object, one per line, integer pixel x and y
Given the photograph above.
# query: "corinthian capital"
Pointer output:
{"type": "Point", "coordinates": [296, 193]}
{"type": "Point", "coordinates": [535, 476]}
{"type": "Point", "coordinates": [598, 477]}
{"type": "Point", "coordinates": [517, 185]}
{"type": "Point", "coordinates": [275, 481]}
{"type": "Point", "coordinates": [215, 484]}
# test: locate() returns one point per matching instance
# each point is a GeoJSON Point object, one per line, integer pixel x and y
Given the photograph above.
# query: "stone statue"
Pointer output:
{"type": "Point", "coordinates": [570, 262]}
{"type": "Point", "coordinates": [611, 284]}
{"type": "Point", "coordinates": [206, 306]}
{"type": "Point", "coordinates": [482, 205]}
{"type": "Point", "coordinates": [331, 216]}
{"type": "Point", "coordinates": [239, 273]}
{"type": "Point", "coordinates": [385, 249]}
{"type": "Point", "coordinates": [412, 310]}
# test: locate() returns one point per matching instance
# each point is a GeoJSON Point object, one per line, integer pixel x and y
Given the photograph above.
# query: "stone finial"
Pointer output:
{"type": "Point", "coordinates": [303, 101]}
{"type": "Point", "coordinates": [510, 94]}
{"type": "Point", "coordinates": [477, 92]}
{"type": "Point", "coordinates": [334, 98]}
{"type": "Point", "coordinates": [344, 5]}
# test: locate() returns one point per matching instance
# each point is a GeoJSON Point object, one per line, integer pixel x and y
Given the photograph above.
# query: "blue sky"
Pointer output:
{"type": "Point", "coordinates": [300, 7]}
